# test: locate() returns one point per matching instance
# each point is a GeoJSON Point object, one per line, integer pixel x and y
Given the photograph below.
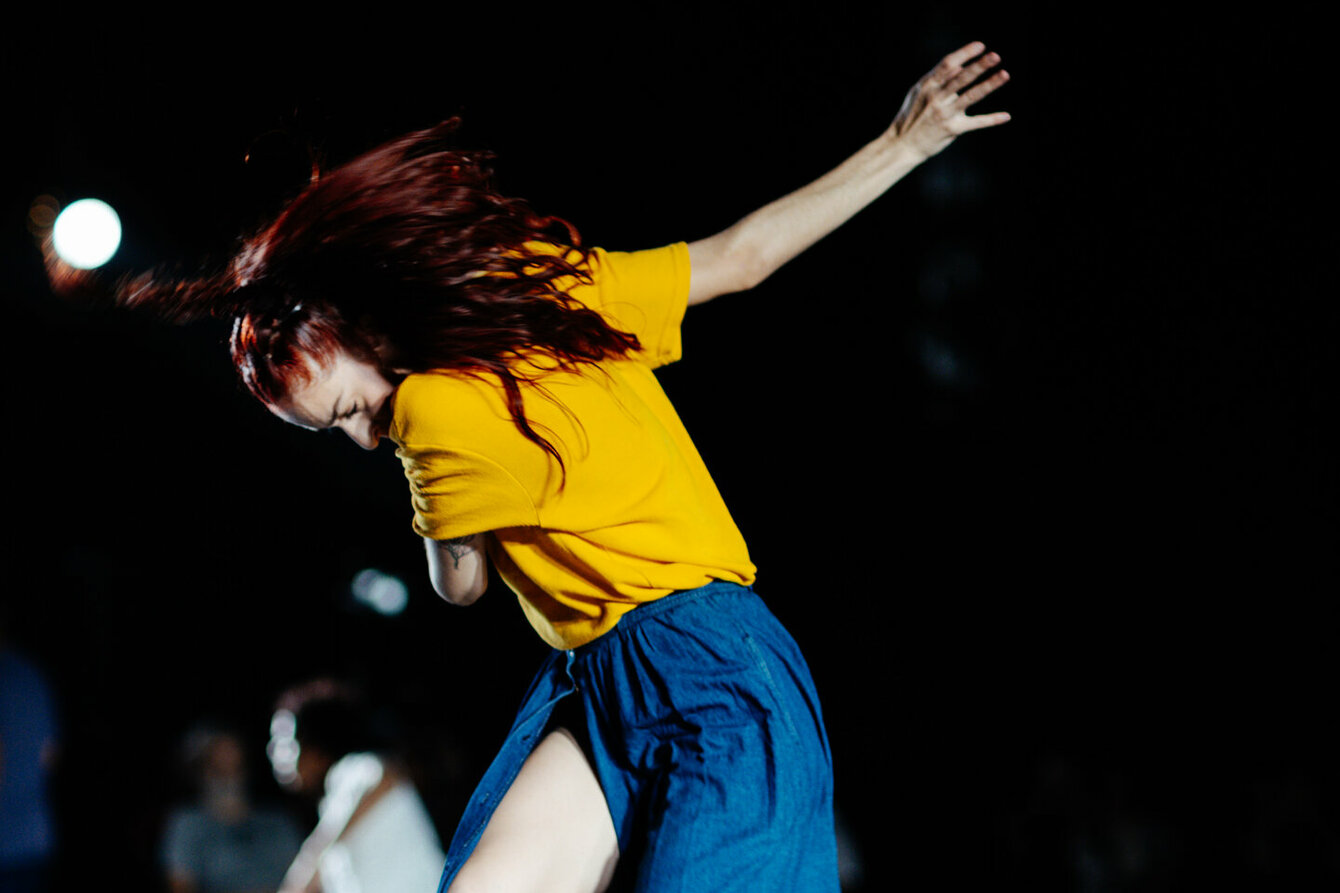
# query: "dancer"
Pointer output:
{"type": "Point", "coordinates": [674, 731]}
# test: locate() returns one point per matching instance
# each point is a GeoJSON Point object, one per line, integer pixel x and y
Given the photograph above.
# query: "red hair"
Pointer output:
{"type": "Point", "coordinates": [406, 257]}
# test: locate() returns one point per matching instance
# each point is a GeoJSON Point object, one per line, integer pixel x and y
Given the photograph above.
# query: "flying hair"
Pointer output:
{"type": "Point", "coordinates": [406, 257]}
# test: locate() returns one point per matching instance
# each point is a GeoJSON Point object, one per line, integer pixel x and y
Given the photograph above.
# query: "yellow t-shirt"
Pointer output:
{"type": "Point", "coordinates": [634, 517]}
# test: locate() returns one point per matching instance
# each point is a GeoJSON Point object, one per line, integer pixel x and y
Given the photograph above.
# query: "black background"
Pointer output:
{"type": "Point", "coordinates": [1031, 454]}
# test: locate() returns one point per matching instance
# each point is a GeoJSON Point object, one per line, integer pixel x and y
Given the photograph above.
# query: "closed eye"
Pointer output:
{"type": "Point", "coordinates": [336, 416]}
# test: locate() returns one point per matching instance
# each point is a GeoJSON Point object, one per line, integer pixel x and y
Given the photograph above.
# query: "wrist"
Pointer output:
{"type": "Point", "coordinates": [897, 150]}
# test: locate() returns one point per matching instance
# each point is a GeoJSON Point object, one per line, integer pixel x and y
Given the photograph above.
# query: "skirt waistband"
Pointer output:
{"type": "Point", "coordinates": [669, 602]}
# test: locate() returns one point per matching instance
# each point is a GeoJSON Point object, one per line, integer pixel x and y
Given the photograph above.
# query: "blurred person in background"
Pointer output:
{"type": "Point", "coordinates": [28, 750]}
{"type": "Point", "coordinates": [373, 833]}
{"type": "Point", "coordinates": [223, 842]}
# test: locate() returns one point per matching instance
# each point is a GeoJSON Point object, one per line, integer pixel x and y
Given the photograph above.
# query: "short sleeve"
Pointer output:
{"type": "Point", "coordinates": [642, 292]}
{"type": "Point", "coordinates": [459, 493]}
{"type": "Point", "coordinates": [458, 490]}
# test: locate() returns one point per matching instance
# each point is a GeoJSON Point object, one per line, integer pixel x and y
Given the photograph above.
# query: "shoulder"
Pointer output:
{"type": "Point", "coordinates": [617, 272]}
{"type": "Point", "coordinates": [186, 826]}
{"type": "Point", "coordinates": [642, 292]}
{"type": "Point", "coordinates": [612, 273]}
{"type": "Point", "coordinates": [439, 407]}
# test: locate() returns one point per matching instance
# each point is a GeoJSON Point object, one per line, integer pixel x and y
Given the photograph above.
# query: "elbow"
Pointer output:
{"type": "Point", "coordinates": [458, 569]}
{"type": "Point", "coordinates": [747, 266]}
{"type": "Point", "coordinates": [460, 592]}
{"type": "Point", "coordinates": [728, 262]}
{"type": "Point", "coordinates": [748, 278]}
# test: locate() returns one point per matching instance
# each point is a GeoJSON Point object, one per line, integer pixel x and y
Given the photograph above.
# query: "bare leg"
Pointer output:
{"type": "Point", "coordinates": [552, 832]}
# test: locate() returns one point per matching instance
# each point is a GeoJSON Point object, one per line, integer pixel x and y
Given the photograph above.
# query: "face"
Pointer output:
{"type": "Point", "coordinates": [345, 393]}
{"type": "Point", "coordinates": [224, 782]}
{"type": "Point", "coordinates": [225, 759]}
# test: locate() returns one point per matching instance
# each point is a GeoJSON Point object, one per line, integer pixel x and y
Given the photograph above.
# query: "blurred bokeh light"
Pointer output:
{"type": "Point", "coordinates": [382, 592]}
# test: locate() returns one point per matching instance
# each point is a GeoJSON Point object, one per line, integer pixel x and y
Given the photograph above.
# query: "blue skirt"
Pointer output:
{"type": "Point", "coordinates": [703, 727]}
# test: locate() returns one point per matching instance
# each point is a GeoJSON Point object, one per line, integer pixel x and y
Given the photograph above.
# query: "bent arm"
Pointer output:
{"type": "Point", "coordinates": [932, 115]}
{"type": "Point", "coordinates": [458, 568]}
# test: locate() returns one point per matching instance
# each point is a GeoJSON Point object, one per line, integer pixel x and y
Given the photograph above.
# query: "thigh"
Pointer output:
{"type": "Point", "coordinates": [550, 832]}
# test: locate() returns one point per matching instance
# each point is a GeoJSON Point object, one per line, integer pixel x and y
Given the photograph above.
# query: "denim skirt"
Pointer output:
{"type": "Point", "coordinates": [703, 727]}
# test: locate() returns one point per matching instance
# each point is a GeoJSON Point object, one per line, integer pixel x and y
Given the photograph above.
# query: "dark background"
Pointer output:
{"type": "Point", "coordinates": [1030, 454]}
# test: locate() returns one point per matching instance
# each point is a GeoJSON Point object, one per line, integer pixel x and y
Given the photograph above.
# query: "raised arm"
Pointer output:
{"type": "Point", "coordinates": [932, 115]}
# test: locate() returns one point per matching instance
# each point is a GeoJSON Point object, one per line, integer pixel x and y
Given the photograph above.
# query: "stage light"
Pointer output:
{"type": "Point", "coordinates": [86, 234]}
{"type": "Point", "coordinates": [382, 592]}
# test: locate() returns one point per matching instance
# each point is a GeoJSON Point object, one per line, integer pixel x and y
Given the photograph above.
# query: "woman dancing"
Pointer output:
{"type": "Point", "coordinates": [674, 729]}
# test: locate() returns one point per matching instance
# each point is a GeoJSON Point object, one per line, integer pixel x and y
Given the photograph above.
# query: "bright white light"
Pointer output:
{"type": "Point", "coordinates": [87, 234]}
{"type": "Point", "coordinates": [283, 749]}
{"type": "Point", "coordinates": [380, 591]}
{"type": "Point", "coordinates": [283, 724]}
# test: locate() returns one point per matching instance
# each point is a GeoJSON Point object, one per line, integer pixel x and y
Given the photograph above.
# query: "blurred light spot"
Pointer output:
{"type": "Point", "coordinates": [42, 215]}
{"type": "Point", "coordinates": [283, 724]}
{"type": "Point", "coordinates": [952, 180]}
{"type": "Point", "coordinates": [941, 361]}
{"type": "Point", "coordinates": [382, 592]}
{"type": "Point", "coordinates": [283, 748]}
{"type": "Point", "coordinates": [86, 234]}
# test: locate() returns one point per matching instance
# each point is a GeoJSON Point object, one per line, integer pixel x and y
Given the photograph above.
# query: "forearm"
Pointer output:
{"type": "Point", "coordinates": [458, 567]}
{"type": "Point", "coordinates": [933, 114]}
{"type": "Point", "coordinates": [303, 875]}
{"type": "Point", "coordinates": [756, 246]}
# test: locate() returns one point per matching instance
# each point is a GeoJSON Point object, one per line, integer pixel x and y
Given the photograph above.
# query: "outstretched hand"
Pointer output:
{"type": "Point", "coordinates": [935, 109]}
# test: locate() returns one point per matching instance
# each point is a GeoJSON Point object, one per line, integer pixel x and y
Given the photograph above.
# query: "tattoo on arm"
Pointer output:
{"type": "Point", "coordinates": [458, 547]}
